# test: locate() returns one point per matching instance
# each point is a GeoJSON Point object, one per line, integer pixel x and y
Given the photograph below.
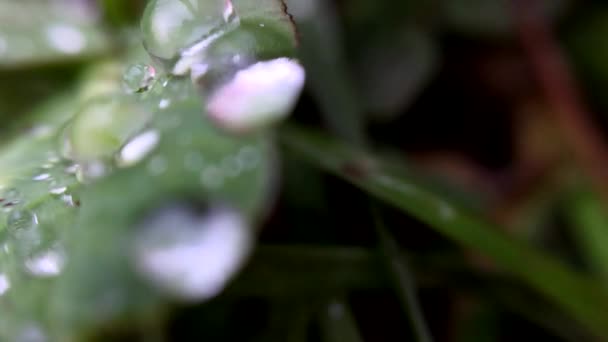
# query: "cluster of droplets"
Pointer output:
{"type": "Point", "coordinates": [194, 38]}
{"type": "Point", "coordinates": [39, 251]}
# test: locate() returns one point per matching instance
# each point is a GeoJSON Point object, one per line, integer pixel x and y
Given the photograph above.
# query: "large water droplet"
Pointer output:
{"type": "Point", "coordinates": [189, 254]}
{"type": "Point", "coordinates": [138, 78]}
{"type": "Point", "coordinates": [178, 31]}
{"type": "Point", "coordinates": [258, 95]}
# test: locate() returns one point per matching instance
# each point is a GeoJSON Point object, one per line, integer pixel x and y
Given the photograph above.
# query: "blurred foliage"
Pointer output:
{"type": "Point", "coordinates": [425, 188]}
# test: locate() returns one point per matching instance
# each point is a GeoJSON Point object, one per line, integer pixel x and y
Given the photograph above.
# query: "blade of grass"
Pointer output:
{"type": "Point", "coordinates": [590, 228]}
{"type": "Point", "coordinates": [578, 295]}
{"type": "Point", "coordinates": [403, 281]}
{"type": "Point", "coordinates": [338, 324]}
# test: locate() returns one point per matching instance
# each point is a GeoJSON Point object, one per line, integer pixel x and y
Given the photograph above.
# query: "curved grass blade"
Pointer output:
{"type": "Point", "coordinates": [575, 293]}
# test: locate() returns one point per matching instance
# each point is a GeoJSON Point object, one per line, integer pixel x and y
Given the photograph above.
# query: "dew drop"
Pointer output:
{"type": "Point", "coordinates": [212, 177]}
{"type": "Point", "coordinates": [257, 96]}
{"type": "Point", "coordinates": [90, 171]}
{"type": "Point", "coordinates": [68, 200]}
{"type": "Point", "coordinates": [138, 148]}
{"type": "Point", "coordinates": [22, 228]}
{"type": "Point", "coordinates": [177, 33]}
{"type": "Point", "coordinates": [193, 161]}
{"type": "Point", "coordinates": [42, 177]}
{"type": "Point", "coordinates": [232, 167]}
{"type": "Point", "coordinates": [446, 212]}
{"type": "Point", "coordinates": [249, 157]}
{"type": "Point", "coordinates": [58, 190]}
{"type": "Point", "coordinates": [65, 38]}
{"type": "Point", "coordinates": [157, 165]}
{"type": "Point", "coordinates": [164, 103]}
{"type": "Point", "coordinates": [5, 283]}
{"type": "Point", "coordinates": [192, 255]}
{"type": "Point", "coordinates": [31, 332]}
{"type": "Point", "coordinates": [3, 46]}
{"type": "Point", "coordinates": [21, 221]}
{"type": "Point", "coordinates": [138, 78]}
{"type": "Point", "coordinates": [47, 264]}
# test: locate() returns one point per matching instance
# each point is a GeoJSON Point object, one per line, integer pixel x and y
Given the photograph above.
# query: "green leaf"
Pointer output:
{"type": "Point", "coordinates": [43, 32]}
{"type": "Point", "coordinates": [85, 200]}
{"type": "Point", "coordinates": [575, 293]}
{"type": "Point", "coordinates": [590, 228]}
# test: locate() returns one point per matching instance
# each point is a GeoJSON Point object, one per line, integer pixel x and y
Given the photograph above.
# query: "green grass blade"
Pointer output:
{"type": "Point", "coordinates": [573, 292]}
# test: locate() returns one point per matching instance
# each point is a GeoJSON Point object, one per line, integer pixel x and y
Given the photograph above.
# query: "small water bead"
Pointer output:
{"type": "Point", "coordinates": [42, 177]}
{"type": "Point", "coordinates": [192, 255]}
{"type": "Point", "coordinates": [58, 190]}
{"type": "Point", "coordinates": [31, 332]}
{"type": "Point", "coordinates": [232, 166]}
{"type": "Point", "coordinates": [157, 165]}
{"type": "Point", "coordinates": [212, 177]}
{"type": "Point", "coordinates": [249, 157]}
{"type": "Point", "coordinates": [90, 171]}
{"type": "Point", "coordinates": [171, 26]}
{"type": "Point", "coordinates": [138, 78]}
{"type": "Point", "coordinates": [5, 283]}
{"type": "Point", "coordinates": [138, 148]}
{"type": "Point", "coordinates": [164, 103]}
{"type": "Point", "coordinates": [193, 161]}
{"type": "Point", "coordinates": [47, 264]}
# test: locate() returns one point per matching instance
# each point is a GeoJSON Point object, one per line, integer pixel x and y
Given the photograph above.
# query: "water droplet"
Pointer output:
{"type": "Point", "coordinates": [257, 96]}
{"type": "Point", "coordinates": [9, 198]}
{"type": "Point", "coordinates": [47, 264]}
{"type": "Point", "coordinates": [72, 169]}
{"type": "Point", "coordinates": [164, 103]}
{"type": "Point", "coordinates": [31, 332]}
{"type": "Point", "coordinates": [446, 212]}
{"type": "Point", "coordinates": [212, 177]}
{"type": "Point", "coordinates": [42, 177]}
{"type": "Point", "coordinates": [262, 25]}
{"type": "Point", "coordinates": [68, 200]}
{"type": "Point", "coordinates": [65, 38]}
{"type": "Point", "coordinates": [138, 78]}
{"type": "Point", "coordinates": [177, 33]}
{"type": "Point", "coordinates": [193, 161]}
{"type": "Point", "coordinates": [21, 221]}
{"type": "Point", "coordinates": [157, 165]}
{"type": "Point", "coordinates": [138, 148]}
{"type": "Point", "coordinates": [192, 255]}
{"type": "Point", "coordinates": [41, 131]}
{"type": "Point", "coordinates": [58, 190]}
{"type": "Point", "coordinates": [336, 310]}
{"type": "Point", "coordinates": [3, 46]}
{"type": "Point", "coordinates": [185, 139]}
{"type": "Point", "coordinates": [22, 228]}
{"type": "Point", "coordinates": [249, 157]}
{"type": "Point", "coordinates": [5, 284]}
{"type": "Point", "coordinates": [232, 167]}
{"type": "Point", "coordinates": [90, 171]}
